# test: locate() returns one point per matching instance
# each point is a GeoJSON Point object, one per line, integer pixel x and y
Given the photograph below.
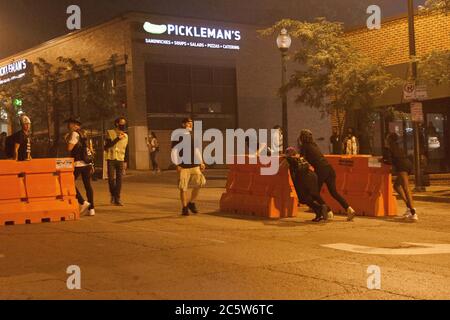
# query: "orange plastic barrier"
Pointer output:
{"type": "Point", "coordinates": [250, 193]}
{"type": "Point", "coordinates": [365, 183]}
{"type": "Point", "coordinates": [37, 191]}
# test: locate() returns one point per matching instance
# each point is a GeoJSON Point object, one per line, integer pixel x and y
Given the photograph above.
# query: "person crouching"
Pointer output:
{"type": "Point", "coordinates": [306, 184]}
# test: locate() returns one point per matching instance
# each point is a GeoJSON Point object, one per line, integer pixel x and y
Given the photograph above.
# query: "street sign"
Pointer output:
{"type": "Point", "coordinates": [417, 112]}
{"type": "Point", "coordinates": [409, 91]}
{"type": "Point", "coordinates": [421, 92]}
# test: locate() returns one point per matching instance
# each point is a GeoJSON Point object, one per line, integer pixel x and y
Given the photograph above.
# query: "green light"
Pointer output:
{"type": "Point", "coordinates": [18, 102]}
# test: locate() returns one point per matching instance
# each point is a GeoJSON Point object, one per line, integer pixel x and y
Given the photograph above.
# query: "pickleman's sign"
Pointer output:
{"type": "Point", "coordinates": [14, 71]}
{"type": "Point", "coordinates": [192, 36]}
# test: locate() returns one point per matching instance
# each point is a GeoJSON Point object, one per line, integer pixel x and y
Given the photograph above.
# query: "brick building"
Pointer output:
{"type": "Point", "coordinates": [221, 73]}
{"type": "Point", "coordinates": [392, 43]}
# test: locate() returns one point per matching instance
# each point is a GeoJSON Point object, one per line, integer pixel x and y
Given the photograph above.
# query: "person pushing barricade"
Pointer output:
{"type": "Point", "coordinates": [325, 172]}
{"type": "Point", "coordinates": [306, 183]}
{"type": "Point", "coordinates": [78, 146]}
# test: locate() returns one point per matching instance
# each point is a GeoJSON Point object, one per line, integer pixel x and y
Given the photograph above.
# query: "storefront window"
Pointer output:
{"type": "Point", "coordinates": [205, 93]}
{"type": "Point", "coordinates": [434, 136]}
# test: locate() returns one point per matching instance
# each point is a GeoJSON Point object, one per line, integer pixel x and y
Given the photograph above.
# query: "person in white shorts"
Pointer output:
{"type": "Point", "coordinates": [190, 172]}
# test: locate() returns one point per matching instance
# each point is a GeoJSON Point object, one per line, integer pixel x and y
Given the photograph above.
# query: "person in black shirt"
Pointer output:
{"type": "Point", "coordinates": [22, 141]}
{"type": "Point", "coordinates": [394, 155]}
{"type": "Point", "coordinates": [77, 145]}
{"type": "Point", "coordinates": [306, 183]}
{"type": "Point", "coordinates": [189, 170]}
{"type": "Point", "coordinates": [325, 172]}
{"type": "Point", "coordinates": [3, 136]}
{"type": "Point", "coordinates": [335, 142]}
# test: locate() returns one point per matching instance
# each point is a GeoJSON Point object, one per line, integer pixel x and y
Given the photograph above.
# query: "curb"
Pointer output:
{"type": "Point", "coordinates": [425, 198]}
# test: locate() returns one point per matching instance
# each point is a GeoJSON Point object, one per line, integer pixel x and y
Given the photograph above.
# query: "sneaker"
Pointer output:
{"type": "Point", "coordinates": [407, 213]}
{"type": "Point", "coordinates": [185, 211]}
{"type": "Point", "coordinates": [330, 215]}
{"type": "Point", "coordinates": [323, 212]}
{"type": "Point", "coordinates": [113, 200]}
{"type": "Point", "coordinates": [84, 208]}
{"type": "Point", "coordinates": [318, 219]}
{"type": "Point", "coordinates": [351, 214]}
{"type": "Point", "coordinates": [118, 203]}
{"type": "Point", "coordinates": [192, 207]}
{"type": "Point", "coordinates": [412, 217]}
{"type": "Point", "coordinates": [91, 213]}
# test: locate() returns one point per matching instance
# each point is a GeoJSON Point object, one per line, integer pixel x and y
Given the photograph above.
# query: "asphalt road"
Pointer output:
{"type": "Point", "coordinates": [147, 251]}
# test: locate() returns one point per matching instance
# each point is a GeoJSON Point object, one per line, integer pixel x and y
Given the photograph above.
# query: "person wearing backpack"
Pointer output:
{"type": "Point", "coordinates": [77, 145]}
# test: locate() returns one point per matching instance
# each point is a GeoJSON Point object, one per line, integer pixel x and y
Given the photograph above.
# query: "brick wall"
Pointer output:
{"type": "Point", "coordinates": [432, 33]}
{"type": "Point", "coordinates": [97, 44]}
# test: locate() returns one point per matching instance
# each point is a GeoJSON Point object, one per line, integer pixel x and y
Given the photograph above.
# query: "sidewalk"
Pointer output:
{"type": "Point", "coordinates": [433, 194]}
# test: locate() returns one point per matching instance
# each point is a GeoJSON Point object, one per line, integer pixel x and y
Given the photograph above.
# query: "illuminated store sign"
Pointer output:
{"type": "Point", "coordinates": [13, 71]}
{"type": "Point", "coordinates": [185, 31]}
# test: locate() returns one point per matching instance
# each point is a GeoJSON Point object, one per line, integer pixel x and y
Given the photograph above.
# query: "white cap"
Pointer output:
{"type": "Point", "coordinates": [25, 120]}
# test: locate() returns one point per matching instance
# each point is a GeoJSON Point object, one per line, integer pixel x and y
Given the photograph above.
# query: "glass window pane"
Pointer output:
{"type": "Point", "coordinates": [158, 73]}
{"type": "Point", "coordinates": [179, 74]}
{"type": "Point", "coordinates": [202, 75]}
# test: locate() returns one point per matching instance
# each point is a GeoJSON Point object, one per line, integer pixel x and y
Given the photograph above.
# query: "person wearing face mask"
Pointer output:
{"type": "Point", "coordinates": [116, 149]}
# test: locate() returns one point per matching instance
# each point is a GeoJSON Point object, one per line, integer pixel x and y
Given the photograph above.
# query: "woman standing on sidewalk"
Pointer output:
{"type": "Point", "coordinates": [153, 146]}
{"type": "Point", "coordinates": [325, 172]}
{"type": "Point", "coordinates": [395, 155]}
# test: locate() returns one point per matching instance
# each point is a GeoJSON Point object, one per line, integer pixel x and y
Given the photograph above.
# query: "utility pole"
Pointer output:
{"type": "Point", "coordinates": [285, 120]}
{"type": "Point", "coordinates": [412, 52]}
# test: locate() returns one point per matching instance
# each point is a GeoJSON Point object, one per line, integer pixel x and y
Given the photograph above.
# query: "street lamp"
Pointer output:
{"type": "Point", "coordinates": [412, 50]}
{"type": "Point", "coordinates": [284, 42]}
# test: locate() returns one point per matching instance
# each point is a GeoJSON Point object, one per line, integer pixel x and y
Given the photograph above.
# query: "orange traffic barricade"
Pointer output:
{"type": "Point", "coordinates": [248, 192]}
{"type": "Point", "coordinates": [36, 191]}
{"type": "Point", "coordinates": [365, 183]}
